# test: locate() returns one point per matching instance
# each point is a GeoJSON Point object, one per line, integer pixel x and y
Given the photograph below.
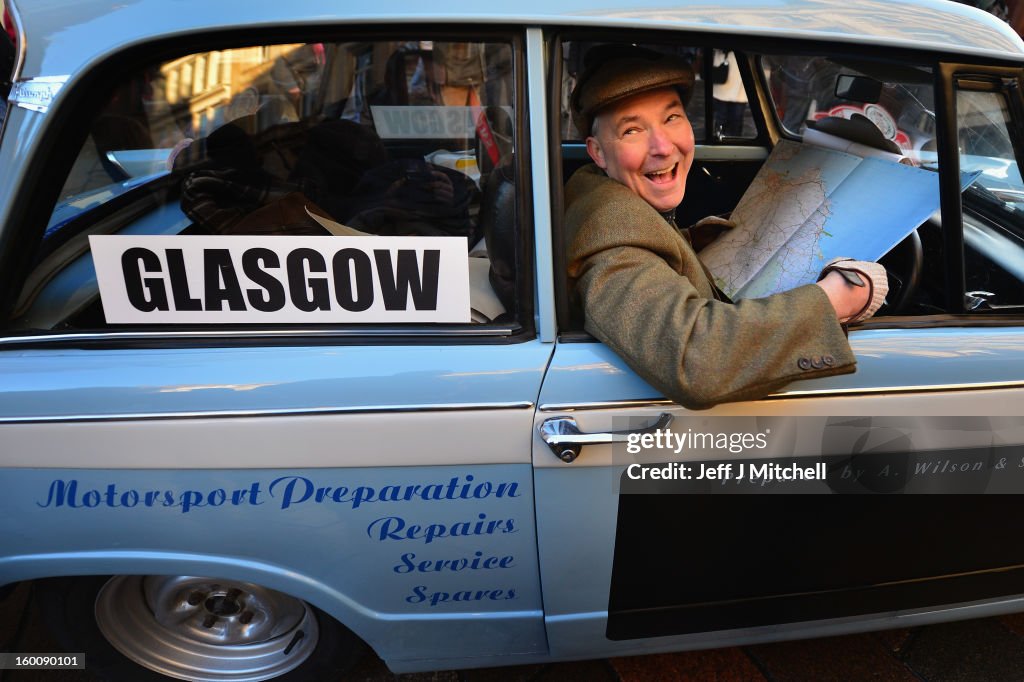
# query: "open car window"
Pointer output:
{"type": "Point", "coordinates": [408, 138]}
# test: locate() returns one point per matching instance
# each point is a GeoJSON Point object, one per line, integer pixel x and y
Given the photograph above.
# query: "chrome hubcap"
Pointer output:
{"type": "Point", "coordinates": [205, 629]}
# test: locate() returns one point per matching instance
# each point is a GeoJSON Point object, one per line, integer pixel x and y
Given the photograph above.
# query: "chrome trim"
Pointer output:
{"type": "Point", "coordinates": [277, 412]}
{"type": "Point", "coordinates": [819, 392]}
{"type": "Point", "coordinates": [251, 334]}
{"type": "Point", "coordinates": [112, 158]}
{"type": "Point", "coordinates": [36, 94]}
{"type": "Point", "coordinates": [607, 405]}
{"type": "Point", "coordinates": [19, 59]}
{"type": "Point", "coordinates": [923, 388]}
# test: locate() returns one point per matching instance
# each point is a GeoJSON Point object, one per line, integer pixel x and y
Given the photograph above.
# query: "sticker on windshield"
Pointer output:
{"type": "Point", "coordinates": [235, 279]}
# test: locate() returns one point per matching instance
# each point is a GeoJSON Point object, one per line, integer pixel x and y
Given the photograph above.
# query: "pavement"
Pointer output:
{"type": "Point", "coordinates": [982, 650]}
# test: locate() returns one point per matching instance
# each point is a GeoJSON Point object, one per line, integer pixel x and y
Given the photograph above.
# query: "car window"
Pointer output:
{"type": "Point", "coordinates": [897, 100]}
{"type": "Point", "coordinates": [409, 138]}
{"type": "Point", "coordinates": [872, 109]}
{"type": "Point", "coordinates": [993, 204]}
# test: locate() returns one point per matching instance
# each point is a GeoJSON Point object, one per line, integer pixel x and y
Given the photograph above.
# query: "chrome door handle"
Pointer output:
{"type": "Point", "coordinates": [566, 440]}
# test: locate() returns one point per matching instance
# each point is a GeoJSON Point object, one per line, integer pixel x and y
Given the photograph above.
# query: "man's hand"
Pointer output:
{"type": "Point", "coordinates": [855, 288]}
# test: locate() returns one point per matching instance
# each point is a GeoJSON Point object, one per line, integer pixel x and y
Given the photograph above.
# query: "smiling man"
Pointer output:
{"type": "Point", "coordinates": [649, 145]}
{"type": "Point", "coordinates": [644, 291]}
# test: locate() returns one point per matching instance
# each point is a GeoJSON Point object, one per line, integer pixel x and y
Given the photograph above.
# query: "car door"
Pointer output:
{"type": "Point", "coordinates": [377, 468]}
{"type": "Point", "coordinates": [676, 535]}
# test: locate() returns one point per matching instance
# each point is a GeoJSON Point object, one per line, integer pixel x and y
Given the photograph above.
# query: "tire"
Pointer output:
{"type": "Point", "coordinates": [70, 607]}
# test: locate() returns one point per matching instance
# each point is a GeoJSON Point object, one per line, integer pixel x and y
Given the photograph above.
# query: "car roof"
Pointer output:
{"type": "Point", "coordinates": [65, 36]}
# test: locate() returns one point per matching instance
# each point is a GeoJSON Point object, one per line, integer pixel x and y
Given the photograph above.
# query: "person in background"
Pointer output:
{"type": "Point", "coordinates": [730, 98]}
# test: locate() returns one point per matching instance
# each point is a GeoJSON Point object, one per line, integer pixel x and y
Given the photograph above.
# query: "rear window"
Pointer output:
{"type": "Point", "coordinates": [409, 138]}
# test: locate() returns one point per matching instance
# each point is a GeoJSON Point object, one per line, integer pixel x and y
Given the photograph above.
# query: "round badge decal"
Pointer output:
{"type": "Point", "coordinates": [882, 120]}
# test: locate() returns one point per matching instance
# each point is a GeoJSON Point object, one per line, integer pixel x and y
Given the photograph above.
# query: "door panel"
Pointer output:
{"type": "Point", "coordinates": [383, 484]}
{"type": "Point", "coordinates": [693, 565]}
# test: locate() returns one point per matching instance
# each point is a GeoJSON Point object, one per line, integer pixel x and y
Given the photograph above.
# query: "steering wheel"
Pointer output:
{"type": "Point", "coordinates": [903, 264]}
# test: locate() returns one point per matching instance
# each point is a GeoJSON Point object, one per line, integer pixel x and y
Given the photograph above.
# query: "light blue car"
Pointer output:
{"type": "Point", "coordinates": [289, 361]}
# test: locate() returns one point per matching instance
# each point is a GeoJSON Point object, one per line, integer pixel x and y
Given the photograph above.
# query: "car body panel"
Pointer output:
{"type": "Point", "coordinates": [888, 361]}
{"type": "Point", "coordinates": [68, 384]}
{"type": "Point", "coordinates": [83, 29]}
{"type": "Point", "coordinates": [322, 550]}
{"type": "Point", "coordinates": [576, 617]}
{"type": "Point", "coordinates": [897, 378]}
{"type": "Point", "coordinates": [220, 451]}
{"type": "Point", "coordinates": [340, 418]}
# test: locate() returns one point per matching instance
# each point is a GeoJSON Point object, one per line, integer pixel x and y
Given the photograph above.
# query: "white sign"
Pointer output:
{"type": "Point", "coordinates": [412, 122]}
{"type": "Point", "coordinates": [224, 279]}
{"type": "Point", "coordinates": [418, 122]}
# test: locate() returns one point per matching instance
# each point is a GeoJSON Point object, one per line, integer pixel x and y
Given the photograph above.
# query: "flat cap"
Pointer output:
{"type": "Point", "coordinates": [612, 73]}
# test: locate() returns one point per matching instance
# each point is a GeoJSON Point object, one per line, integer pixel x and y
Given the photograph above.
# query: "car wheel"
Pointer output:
{"type": "Point", "coordinates": [149, 628]}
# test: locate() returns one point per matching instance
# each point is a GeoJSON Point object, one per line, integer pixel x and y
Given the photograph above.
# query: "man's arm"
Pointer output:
{"type": "Point", "coordinates": [645, 296]}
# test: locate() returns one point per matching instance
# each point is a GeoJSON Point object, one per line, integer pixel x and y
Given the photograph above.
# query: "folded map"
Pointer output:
{"type": "Point", "coordinates": [808, 205]}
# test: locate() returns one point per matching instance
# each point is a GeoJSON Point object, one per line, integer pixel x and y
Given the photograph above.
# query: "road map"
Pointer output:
{"type": "Point", "coordinates": [808, 205]}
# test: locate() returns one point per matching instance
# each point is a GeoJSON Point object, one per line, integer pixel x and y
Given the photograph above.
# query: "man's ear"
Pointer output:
{"type": "Point", "coordinates": [596, 153]}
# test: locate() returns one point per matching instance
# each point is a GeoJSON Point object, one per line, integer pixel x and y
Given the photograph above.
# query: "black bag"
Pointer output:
{"type": "Point", "coordinates": [720, 73]}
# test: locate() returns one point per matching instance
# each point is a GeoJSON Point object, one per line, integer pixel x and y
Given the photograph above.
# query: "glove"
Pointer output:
{"type": "Point", "coordinates": [861, 273]}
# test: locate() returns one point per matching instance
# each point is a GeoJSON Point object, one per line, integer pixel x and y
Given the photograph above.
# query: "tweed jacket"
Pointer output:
{"type": "Point", "coordinates": [645, 294]}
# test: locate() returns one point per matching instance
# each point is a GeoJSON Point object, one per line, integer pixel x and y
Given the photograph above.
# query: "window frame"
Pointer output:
{"type": "Point", "coordinates": [771, 132]}
{"type": "Point", "coordinates": [1008, 88]}
{"type": "Point", "coordinates": [952, 78]}
{"type": "Point", "coordinates": [84, 97]}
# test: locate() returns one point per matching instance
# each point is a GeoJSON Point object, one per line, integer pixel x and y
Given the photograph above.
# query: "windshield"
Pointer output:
{"type": "Point", "coordinates": [897, 100]}
{"type": "Point", "coordinates": [983, 137]}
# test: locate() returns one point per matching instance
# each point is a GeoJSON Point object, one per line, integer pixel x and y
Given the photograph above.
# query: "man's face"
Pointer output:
{"type": "Point", "coordinates": [646, 143]}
